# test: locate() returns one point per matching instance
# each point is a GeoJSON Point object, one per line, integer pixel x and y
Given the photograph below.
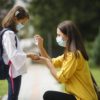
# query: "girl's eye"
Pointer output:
{"type": "Point", "coordinates": [58, 34]}
{"type": "Point", "coordinates": [22, 23]}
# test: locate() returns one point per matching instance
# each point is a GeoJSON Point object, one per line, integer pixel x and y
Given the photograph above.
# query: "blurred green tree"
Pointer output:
{"type": "Point", "coordinates": [96, 50]}
{"type": "Point", "coordinates": [47, 14]}
{"type": "Point", "coordinates": [5, 5]}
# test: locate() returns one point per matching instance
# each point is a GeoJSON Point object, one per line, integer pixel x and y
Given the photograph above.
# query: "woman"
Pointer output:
{"type": "Point", "coordinates": [73, 63]}
{"type": "Point", "coordinates": [14, 21]}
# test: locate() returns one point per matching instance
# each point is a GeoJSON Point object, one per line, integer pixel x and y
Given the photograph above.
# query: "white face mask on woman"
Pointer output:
{"type": "Point", "coordinates": [60, 41]}
{"type": "Point", "coordinates": [19, 26]}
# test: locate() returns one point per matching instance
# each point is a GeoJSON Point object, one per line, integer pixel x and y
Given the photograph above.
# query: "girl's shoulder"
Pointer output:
{"type": "Point", "coordinates": [9, 33]}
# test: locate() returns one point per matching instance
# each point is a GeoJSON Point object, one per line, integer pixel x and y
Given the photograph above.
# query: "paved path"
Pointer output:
{"type": "Point", "coordinates": [37, 80]}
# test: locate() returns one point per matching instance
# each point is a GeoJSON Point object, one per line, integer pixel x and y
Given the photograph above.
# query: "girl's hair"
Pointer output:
{"type": "Point", "coordinates": [18, 12]}
{"type": "Point", "coordinates": [74, 42]}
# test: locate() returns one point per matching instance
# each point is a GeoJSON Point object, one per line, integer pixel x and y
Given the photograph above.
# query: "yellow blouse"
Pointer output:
{"type": "Point", "coordinates": [74, 73]}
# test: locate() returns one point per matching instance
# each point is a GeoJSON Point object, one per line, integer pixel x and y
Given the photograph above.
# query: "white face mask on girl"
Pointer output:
{"type": "Point", "coordinates": [19, 26]}
{"type": "Point", "coordinates": [60, 41]}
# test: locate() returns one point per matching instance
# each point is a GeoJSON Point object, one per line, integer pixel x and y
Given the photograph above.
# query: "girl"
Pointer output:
{"type": "Point", "coordinates": [73, 63]}
{"type": "Point", "coordinates": [13, 22]}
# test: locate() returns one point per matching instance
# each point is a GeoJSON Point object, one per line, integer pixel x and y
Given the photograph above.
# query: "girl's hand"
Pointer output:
{"type": "Point", "coordinates": [42, 60]}
{"type": "Point", "coordinates": [33, 56]}
{"type": "Point", "coordinates": [39, 39]}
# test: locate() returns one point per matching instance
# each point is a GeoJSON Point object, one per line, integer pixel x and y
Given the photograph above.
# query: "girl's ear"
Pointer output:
{"type": "Point", "coordinates": [15, 19]}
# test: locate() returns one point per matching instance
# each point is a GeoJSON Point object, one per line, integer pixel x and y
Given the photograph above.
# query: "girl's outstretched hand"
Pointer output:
{"type": "Point", "coordinates": [33, 56]}
{"type": "Point", "coordinates": [36, 58]}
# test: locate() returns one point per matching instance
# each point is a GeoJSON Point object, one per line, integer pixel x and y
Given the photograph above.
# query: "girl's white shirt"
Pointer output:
{"type": "Point", "coordinates": [15, 55]}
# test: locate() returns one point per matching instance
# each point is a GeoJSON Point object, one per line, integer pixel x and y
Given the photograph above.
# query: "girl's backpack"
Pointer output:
{"type": "Point", "coordinates": [4, 69]}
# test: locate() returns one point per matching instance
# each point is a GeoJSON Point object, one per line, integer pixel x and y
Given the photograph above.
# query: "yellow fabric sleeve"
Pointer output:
{"type": "Point", "coordinates": [57, 62]}
{"type": "Point", "coordinates": [68, 68]}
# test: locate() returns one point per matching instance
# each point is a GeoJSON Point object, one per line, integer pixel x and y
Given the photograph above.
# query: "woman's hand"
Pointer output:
{"type": "Point", "coordinates": [43, 51]}
{"type": "Point", "coordinates": [49, 65]}
{"type": "Point", "coordinates": [44, 59]}
{"type": "Point", "coordinates": [39, 40]}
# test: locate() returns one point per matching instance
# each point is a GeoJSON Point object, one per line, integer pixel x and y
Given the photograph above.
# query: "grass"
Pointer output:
{"type": "Point", "coordinates": [3, 87]}
{"type": "Point", "coordinates": [96, 74]}
{"type": "Point", "coordinates": [3, 84]}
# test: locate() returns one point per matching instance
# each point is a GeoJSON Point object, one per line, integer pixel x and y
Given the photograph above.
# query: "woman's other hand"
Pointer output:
{"type": "Point", "coordinates": [45, 60]}
{"type": "Point", "coordinates": [39, 40]}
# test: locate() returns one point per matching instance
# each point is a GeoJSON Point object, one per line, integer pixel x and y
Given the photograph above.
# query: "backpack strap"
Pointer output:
{"type": "Point", "coordinates": [2, 31]}
{"type": "Point", "coordinates": [1, 35]}
{"type": "Point", "coordinates": [16, 42]}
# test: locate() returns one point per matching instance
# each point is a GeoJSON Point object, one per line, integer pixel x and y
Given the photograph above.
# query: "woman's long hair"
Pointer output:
{"type": "Point", "coordinates": [74, 42]}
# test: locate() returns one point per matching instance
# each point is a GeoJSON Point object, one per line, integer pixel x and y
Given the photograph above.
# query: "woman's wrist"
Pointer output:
{"type": "Point", "coordinates": [41, 47]}
{"type": "Point", "coordinates": [48, 62]}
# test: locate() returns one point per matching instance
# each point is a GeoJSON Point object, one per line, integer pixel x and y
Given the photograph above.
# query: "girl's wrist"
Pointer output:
{"type": "Point", "coordinates": [27, 55]}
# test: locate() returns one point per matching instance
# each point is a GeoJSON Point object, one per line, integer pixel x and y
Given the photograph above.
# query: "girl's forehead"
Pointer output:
{"type": "Point", "coordinates": [23, 21]}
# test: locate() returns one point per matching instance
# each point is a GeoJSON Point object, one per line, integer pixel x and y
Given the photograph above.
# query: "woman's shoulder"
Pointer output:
{"type": "Point", "coordinates": [71, 54]}
{"type": "Point", "coordinates": [59, 57]}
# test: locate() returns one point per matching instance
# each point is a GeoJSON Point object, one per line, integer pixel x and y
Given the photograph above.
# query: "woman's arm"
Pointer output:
{"type": "Point", "coordinates": [67, 70]}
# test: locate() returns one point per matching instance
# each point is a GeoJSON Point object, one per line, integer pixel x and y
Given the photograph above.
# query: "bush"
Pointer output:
{"type": "Point", "coordinates": [89, 49]}
{"type": "Point", "coordinates": [3, 87]}
{"type": "Point", "coordinates": [96, 50]}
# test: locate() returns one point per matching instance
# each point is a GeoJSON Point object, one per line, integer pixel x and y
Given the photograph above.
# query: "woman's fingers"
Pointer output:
{"type": "Point", "coordinates": [38, 40]}
{"type": "Point", "coordinates": [38, 61]}
{"type": "Point", "coordinates": [38, 37]}
{"type": "Point", "coordinates": [42, 58]}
